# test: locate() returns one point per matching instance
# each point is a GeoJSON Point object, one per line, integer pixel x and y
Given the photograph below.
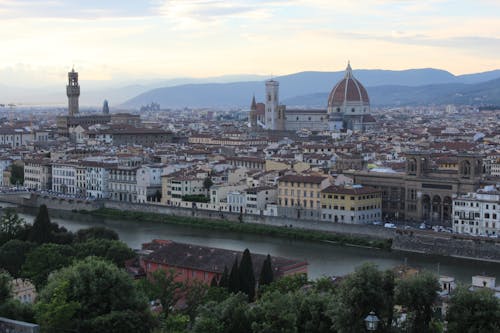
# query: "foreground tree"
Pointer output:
{"type": "Point", "coordinates": [16, 174]}
{"type": "Point", "coordinates": [93, 295]}
{"type": "Point", "coordinates": [418, 294]}
{"type": "Point", "coordinates": [112, 250]}
{"type": "Point", "coordinates": [234, 278]}
{"type": "Point", "coordinates": [162, 285]}
{"type": "Point", "coordinates": [229, 316]}
{"type": "Point", "coordinates": [473, 312]}
{"type": "Point", "coordinates": [13, 254]}
{"type": "Point", "coordinates": [45, 259]}
{"type": "Point", "coordinates": [41, 231]}
{"type": "Point", "coordinates": [11, 225]}
{"type": "Point", "coordinates": [266, 276]}
{"type": "Point", "coordinates": [361, 292]}
{"type": "Point", "coordinates": [247, 276]}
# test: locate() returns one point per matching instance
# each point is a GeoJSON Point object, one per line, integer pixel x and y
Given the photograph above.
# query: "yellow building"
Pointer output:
{"type": "Point", "coordinates": [300, 195]}
{"type": "Point", "coordinates": [351, 204]}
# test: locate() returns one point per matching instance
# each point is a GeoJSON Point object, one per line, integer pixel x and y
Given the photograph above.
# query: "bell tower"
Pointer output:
{"type": "Point", "coordinates": [272, 104]}
{"type": "Point", "coordinates": [73, 93]}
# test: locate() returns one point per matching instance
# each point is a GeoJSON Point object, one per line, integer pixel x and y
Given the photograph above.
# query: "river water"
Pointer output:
{"type": "Point", "coordinates": [323, 258]}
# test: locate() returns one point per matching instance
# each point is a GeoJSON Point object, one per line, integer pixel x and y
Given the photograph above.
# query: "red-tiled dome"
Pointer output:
{"type": "Point", "coordinates": [348, 90]}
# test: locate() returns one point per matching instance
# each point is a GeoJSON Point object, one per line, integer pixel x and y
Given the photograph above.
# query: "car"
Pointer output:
{"type": "Point", "coordinates": [390, 225]}
{"type": "Point", "coordinates": [422, 226]}
{"type": "Point", "coordinates": [377, 223]}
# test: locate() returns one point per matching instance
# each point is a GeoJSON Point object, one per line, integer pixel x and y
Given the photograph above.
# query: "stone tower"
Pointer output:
{"type": "Point", "coordinates": [272, 104]}
{"type": "Point", "coordinates": [73, 93]}
{"type": "Point", "coordinates": [253, 114]}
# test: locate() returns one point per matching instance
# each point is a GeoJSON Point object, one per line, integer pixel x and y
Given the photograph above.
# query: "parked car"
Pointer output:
{"type": "Point", "coordinates": [390, 225]}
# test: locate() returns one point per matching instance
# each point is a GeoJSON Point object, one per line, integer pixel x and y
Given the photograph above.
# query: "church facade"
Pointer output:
{"type": "Point", "coordinates": [348, 109]}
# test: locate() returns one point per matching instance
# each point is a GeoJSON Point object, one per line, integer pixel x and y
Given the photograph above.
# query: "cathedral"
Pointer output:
{"type": "Point", "coordinates": [348, 109]}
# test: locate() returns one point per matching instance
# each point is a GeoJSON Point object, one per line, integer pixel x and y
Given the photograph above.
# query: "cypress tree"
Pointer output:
{"type": "Point", "coordinates": [224, 280]}
{"type": "Point", "coordinates": [214, 283]}
{"type": "Point", "coordinates": [266, 273]}
{"type": "Point", "coordinates": [247, 276]}
{"type": "Point", "coordinates": [41, 231]}
{"type": "Point", "coordinates": [234, 278]}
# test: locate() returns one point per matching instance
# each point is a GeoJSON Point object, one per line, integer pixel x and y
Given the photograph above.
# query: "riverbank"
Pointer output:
{"type": "Point", "coordinates": [244, 227]}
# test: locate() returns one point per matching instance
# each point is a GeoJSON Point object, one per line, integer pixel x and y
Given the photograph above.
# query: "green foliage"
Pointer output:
{"type": "Point", "coordinates": [16, 174]}
{"type": "Point", "coordinates": [418, 294]}
{"type": "Point", "coordinates": [5, 290]}
{"type": "Point", "coordinates": [208, 183]}
{"type": "Point", "coordinates": [287, 284]}
{"type": "Point", "coordinates": [56, 314]}
{"type": "Point", "coordinates": [11, 225]}
{"type": "Point", "coordinates": [195, 292]}
{"type": "Point", "coordinates": [361, 292]}
{"type": "Point", "coordinates": [266, 276]}
{"type": "Point", "coordinates": [13, 254]}
{"type": "Point", "coordinates": [196, 198]}
{"type": "Point", "coordinates": [14, 309]}
{"type": "Point", "coordinates": [175, 323]}
{"type": "Point", "coordinates": [45, 259]}
{"type": "Point", "coordinates": [234, 278]}
{"type": "Point", "coordinates": [93, 295]}
{"type": "Point", "coordinates": [112, 250]}
{"type": "Point", "coordinates": [258, 229]}
{"type": "Point", "coordinates": [84, 235]}
{"type": "Point", "coordinates": [228, 316]}
{"type": "Point", "coordinates": [247, 276]}
{"type": "Point", "coordinates": [473, 311]}
{"type": "Point", "coordinates": [224, 279]}
{"type": "Point", "coordinates": [41, 232]}
{"type": "Point", "coordinates": [162, 285]}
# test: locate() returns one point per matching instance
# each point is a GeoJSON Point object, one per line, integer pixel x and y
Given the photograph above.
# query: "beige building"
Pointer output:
{"type": "Point", "coordinates": [354, 204]}
{"type": "Point", "coordinates": [38, 174]}
{"type": "Point", "coordinates": [23, 290]}
{"type": "Point", "coordinates": [300, 195]}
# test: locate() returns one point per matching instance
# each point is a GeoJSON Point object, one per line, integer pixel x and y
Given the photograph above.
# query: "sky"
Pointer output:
{"type": "Point", "coordinates": [140, 39]}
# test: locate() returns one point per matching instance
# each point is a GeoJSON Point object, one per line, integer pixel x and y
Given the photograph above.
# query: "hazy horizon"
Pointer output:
{"type": "Point", "coordinates": [123, 41]}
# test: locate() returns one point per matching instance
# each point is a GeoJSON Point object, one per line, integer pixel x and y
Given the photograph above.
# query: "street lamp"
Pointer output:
{"type": "Point", "coordinates": [371, 322]}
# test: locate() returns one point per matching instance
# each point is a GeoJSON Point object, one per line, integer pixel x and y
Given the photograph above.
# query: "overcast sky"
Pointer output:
{"type": "Point", "coordinates": [126, 39]}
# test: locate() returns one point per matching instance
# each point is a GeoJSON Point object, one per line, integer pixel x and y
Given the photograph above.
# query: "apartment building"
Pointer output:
{"type": "Point", "coordinates": [478, 213]}
{"type": "Point", "coordinates": [354, 204]}
{"type": "Point", "coordinates": [38, 174]}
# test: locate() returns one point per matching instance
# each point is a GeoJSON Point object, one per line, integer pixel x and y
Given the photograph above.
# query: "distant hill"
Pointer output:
{"type": "Point", "coordinates": [451, 93]}
{"type": "Point", "coordinates": [407, 87]}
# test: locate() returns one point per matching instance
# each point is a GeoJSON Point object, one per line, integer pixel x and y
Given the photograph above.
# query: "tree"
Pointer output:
{"type": "Point", "coordinates": [45, 259]}
{"type": "Point", "coordinates": [207, 183]}
{"type": "Point", "coordinates": [234, 278]}
{"type": "Point", "coordinates": [247, 276]}
{"type": "Point", "coordinates": [84, 235]}
{"type": "Point", "coordinates": [287, 284]}
{"type": "Point", "coordinates": [41, 232]}
{"type": "Point", "coordinates": [228, 316]}
{"type": "Point", "coordinates": [112, 250]}
{"type": "Point", "coordinates": [361, 292]}
{"type": "Point", "coordinates": [473, 311]}
{"type": "Point", "coordinates": [266, 273]}
{"type": "Point", "coordinates": [5, 288]}
{"type": "Point", "coordinates": [9, 307]}
{"type": "Point", "coordinates": [11, 224]}
{"type": "Point", "coordinates": [162, 285]}
{"type": "Point", "coordinates": [224, 279]}
{"type": "Point", "coordinates": [213, 282]}
{"type": "Point", "coordinates": [194, 296]}
{"type": "Point", "coordinates": [16, 174]}
{"type": "Point", "coordinates": [418, 294]}
{"type": "Point", "coordinates": [93, 295]}
{"type": "Point", "coordinates": [13, 254]}
{"type": "Point", "coordinates": [275, 312]}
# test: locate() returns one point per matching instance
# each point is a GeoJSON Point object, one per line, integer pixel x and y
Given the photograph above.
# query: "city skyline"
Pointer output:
{"type": "Point", "coordinates": [129, 40]}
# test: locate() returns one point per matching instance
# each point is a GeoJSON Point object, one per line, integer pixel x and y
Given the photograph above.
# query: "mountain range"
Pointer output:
{"type": "Point", "coordinates": [304, 89]}
{"type": "Point", "coordinates": [310, 89]}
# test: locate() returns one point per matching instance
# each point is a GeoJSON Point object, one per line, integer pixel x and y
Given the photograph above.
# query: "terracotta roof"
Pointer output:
{"type": "Point", "coordinates": [350, 190]}
{"type": "Point", "coordinates": [302, 179]}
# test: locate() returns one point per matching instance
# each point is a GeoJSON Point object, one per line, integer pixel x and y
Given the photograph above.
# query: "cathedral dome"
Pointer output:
{"type": "Point", "coordinates": [348, 91]}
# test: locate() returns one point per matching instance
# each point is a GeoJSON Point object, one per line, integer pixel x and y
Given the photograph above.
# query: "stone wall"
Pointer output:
{"type": "Point", "coordinates": [484, 249]}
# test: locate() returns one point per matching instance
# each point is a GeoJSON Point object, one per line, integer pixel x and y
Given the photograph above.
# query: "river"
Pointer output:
{"type": "Point", "coordinates": [323, 258]}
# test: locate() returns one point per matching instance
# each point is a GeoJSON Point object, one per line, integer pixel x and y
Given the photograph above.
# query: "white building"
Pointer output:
{"type": "Point", "coordinates": [257, 199]}
{"type": "Point", "coordinates": [64, 177]}
{"type": "Point", "coordinates": [123, 183]}
{"type": "Point", "coordinates": [149, 182]}
{"type": "Point", "coordinates": [478, 213]}
{"type": "Point", "coordinates": [97, 179]}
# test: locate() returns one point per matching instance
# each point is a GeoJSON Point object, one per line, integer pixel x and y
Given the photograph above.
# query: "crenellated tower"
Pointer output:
{"type": "Point", "coordinates": [73, 93]}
